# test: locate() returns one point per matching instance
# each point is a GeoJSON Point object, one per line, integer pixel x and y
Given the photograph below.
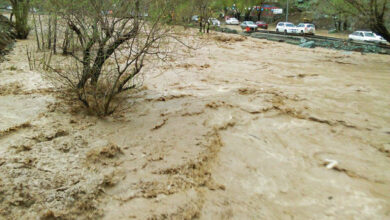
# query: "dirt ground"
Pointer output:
{"type": "Point", "coordinates": [239, 129]}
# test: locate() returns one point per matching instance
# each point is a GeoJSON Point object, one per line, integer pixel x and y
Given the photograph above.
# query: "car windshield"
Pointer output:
{"type": "Point", "coordinates": [301, 25]}
{"type": "Point", "coordinates": [289, 25]}
{"type": "Point", "coordinates": [250, 22]}
{"type": "Point", "coordinates": [260, 22]}
{"type": "Point", "coordinates": [369, 34]}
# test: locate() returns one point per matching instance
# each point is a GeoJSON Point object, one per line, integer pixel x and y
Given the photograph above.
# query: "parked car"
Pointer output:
{"type": "Point", "coordinates": [195, 18]}
{"type": "Point", "coordinates": [306, 28]}
{"type": "Point", "coordinates": [262, 24]}
{"type": "Point", "coordinates": [232, 21]}
{"type": "Point", "coordinates": [286, 27]}
{"type": "Point", "coordinates": [381, 39]}
{"type": "Point", "coordinates": [368, 36]}
{"type": "Point", "coordinates": [249, 24]}
{"type": "Point", "coordinates": [214, 22]}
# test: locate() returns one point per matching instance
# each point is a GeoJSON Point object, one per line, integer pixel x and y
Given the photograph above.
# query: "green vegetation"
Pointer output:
{"type": "Point", "coordinates": [20, 9]}
{"type": "Point", "coordinates": [373, 12]}
{"type": "Point", "coordinates": [345, 14]}
{"type": "Point", "coordinates": [7, 34]}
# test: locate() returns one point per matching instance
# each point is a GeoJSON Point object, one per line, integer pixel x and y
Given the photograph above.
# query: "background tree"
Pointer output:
{"type": "Point", "coordinates": [20, 9]}
{"type": "Point", "coordinates": [259, 3]}
{"type": "Point", "coordinates": [374, 12]}
{"type": "Point", "coordinates": [245, 7]}
{"type": "Point", "coordinates": [223, 6]}
{"type": "Point", "coordinates": [204, 10]}
{"type": "Point", "coordinates": [183, 12]}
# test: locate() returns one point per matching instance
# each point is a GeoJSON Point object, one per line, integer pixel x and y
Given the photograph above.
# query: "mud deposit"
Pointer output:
{"type": "Point", "coordinates": [239, 129]}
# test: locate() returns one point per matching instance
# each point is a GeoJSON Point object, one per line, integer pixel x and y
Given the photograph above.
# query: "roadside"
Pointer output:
{"type": "Point", "coordinates": [319, 32]}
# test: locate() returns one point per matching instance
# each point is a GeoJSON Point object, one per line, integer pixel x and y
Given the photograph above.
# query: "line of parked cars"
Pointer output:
{"type": "Point", "coordinates": [212, 21]}
{"type": "Point", "coordinates": [234, 21]}
{"type": "Point", "coordinates": [247, 24]}
{"type": "Point", "coordinates": [282, 27]}
{"type": "Point", "coordinates": [290, 28]}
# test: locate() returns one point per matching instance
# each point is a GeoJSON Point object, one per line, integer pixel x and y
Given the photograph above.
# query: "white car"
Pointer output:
{"type": "Point", "coordinates": [214, 22]}
{"type": "Point", "coordinates": [286, 27]}
{"type": "Point", "coordinates": [381, 39]}
{"type": "Point", "coordinates": [195, 18]}
{"type": "Point", "coordinates": [233, 21]}
{"type": "Point", "coordinates": [306, 28]}
{"type": "Point", "coordinates": [366, 36]}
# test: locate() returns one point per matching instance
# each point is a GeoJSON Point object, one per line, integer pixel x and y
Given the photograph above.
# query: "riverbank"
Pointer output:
{"type": "Point", "coordinates": [7, 36]}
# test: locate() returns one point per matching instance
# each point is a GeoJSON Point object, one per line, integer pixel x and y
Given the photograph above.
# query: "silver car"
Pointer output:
{"type": "Point", "coordinates": [250, 24]}
{"type": "Point", "coordinates": [367, 36]}
{"type": "Point", "coordinates": [306, 28]}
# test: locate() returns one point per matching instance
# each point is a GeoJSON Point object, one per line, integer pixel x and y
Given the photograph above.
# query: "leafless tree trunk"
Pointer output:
{"type": "Point", "coordinates": [55, 34]}
{"type": "Point", "coordinates": [66, 42]}
{"type": "Point", "coordinates": [41, 28]}
{"type": "Point", "coordinates": [49, 33]}
{"type": "Point", "coordinates": [203, 7]}
{"type": "Point", "coordinates": [112, 49]}
{"type": "Point", "coordinates": [36, 32]}
{"type": "Point", "coordinates": [21, 8]}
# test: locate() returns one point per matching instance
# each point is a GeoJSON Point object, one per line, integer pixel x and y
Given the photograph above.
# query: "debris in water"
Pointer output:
{"type": "Point", "coordinates": [330, 164]}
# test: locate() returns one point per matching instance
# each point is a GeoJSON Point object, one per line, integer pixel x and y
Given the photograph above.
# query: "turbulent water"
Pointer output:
{"type": "Point", "coordinates": [239, 129]}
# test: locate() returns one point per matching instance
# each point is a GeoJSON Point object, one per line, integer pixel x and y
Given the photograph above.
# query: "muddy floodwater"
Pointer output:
{"type": "Point", "coordinates": [239, 129]}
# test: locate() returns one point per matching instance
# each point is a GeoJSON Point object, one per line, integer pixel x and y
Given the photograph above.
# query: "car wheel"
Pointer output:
{"type": "Point", "coordinates": [302, 33]}
{"type": "Point", "coordinates": [285, 31]}
{"type": "Point", "coordinates": [277, 30]}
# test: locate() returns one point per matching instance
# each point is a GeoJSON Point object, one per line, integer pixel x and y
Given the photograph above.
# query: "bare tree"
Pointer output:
{"type": "Point", "coordinates": [115, 38]}
{"type": "Point", "coordinates": [204, 10]}
{"type": "Point", "coordinates": [20, 9]}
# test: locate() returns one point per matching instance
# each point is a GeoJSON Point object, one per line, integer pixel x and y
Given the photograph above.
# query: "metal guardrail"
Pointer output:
{"type": "Point", "coordinates": [316, 38]}
{"type": "Point", "coordinates": [322, 41]}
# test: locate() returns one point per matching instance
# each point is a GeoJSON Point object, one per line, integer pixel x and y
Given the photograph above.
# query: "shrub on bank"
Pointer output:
{"type": "Point", "coordinates": [7, 35]}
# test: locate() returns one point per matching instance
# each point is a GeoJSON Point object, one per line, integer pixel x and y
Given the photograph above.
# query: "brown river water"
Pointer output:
{"type": "Point", "coordinates": [239, 129]}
